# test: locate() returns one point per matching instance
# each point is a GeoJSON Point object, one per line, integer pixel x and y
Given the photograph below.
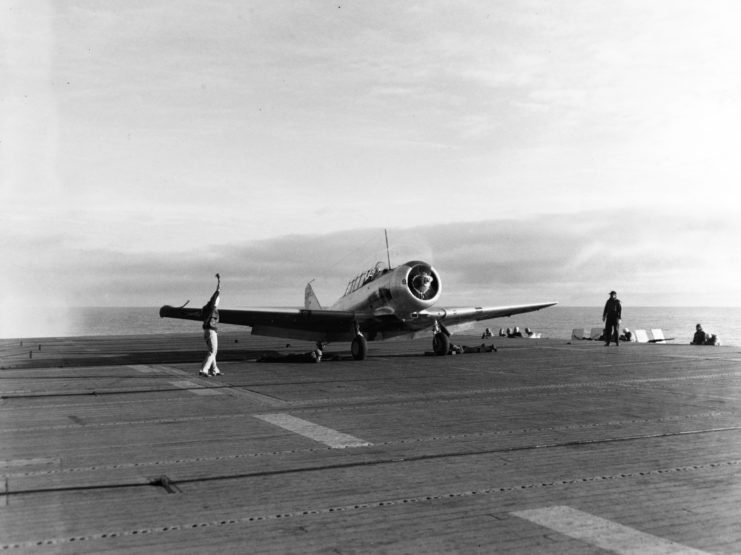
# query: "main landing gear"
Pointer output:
{"type": "Point", "coordinates": [359, 345]}
{"type": "Point", "coordinates": [440, 342]}
{"type": "Point", "coordinates": [440, 339]}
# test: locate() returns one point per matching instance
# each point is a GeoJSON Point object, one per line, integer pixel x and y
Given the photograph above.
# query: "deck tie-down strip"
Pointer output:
{"type": "Point", "coordinates": [392, 398]}
{"type": "Point", "coordinates": [402, 441]}
{"type": "Point", "coordinates": [253, 519]}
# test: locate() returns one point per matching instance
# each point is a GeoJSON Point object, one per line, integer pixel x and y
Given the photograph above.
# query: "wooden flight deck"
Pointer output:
{"type": "Point", "coordinates": [114, 444]}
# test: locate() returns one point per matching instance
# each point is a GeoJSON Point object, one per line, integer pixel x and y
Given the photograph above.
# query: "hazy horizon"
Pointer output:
{"type": "Point", "coordinates": [553, 322]}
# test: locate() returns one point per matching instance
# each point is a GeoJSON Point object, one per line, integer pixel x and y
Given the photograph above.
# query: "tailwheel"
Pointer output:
{"type": "Point", "coordinates": [440, 344]}
{"type": "Point", "coordinates": [359, 347]}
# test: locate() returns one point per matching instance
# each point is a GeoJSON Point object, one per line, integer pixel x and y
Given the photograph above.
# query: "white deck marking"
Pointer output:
{"type": "Point", "coordinates": [159, 369]}
{"type": "Point", "coordinates": [196, 388]}
{"type": "Point", "coordinates": [601, 532]}
{"type": "Point", "coordinates": [328, 436]}
{"type": "Point", "coordinates": [144, 368]}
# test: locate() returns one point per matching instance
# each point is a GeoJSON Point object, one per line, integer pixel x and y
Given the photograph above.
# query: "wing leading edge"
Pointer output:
{"type": "Point", "coordinates": [289, 323]}
{"type": "Point", "coordinates": [464, 315]}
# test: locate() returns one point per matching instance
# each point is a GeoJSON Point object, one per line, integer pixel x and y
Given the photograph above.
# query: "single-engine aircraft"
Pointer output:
{"type": "Point", "coordinates": [378, 304]}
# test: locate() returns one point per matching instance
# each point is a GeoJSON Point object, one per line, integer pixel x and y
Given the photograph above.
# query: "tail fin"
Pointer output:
{"type": "Point", "coordinates": [310, 300]}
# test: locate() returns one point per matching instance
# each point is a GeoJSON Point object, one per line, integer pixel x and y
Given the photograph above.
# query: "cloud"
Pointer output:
{"type": "Point", "coordinates": [651, 257]}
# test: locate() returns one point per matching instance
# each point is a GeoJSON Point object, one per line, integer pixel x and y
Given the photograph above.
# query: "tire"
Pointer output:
{"type": "Point", "coordinates": [359, 347]}
{"type": "Point", "coordinates": [440, 344]}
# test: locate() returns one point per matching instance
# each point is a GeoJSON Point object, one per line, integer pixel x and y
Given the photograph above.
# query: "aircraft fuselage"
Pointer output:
{"type": "Point", "coordinates": [402, 291]}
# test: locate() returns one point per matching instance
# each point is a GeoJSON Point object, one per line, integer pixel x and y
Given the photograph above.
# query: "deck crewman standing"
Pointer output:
{"type": "Point", "coordinates": [210, 315]}
{"type": "Point", "coordinates": [611, 316]}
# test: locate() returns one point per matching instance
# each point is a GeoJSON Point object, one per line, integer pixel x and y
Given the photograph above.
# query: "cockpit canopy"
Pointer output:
{"type": "Point", "coordinates": [365, 277]}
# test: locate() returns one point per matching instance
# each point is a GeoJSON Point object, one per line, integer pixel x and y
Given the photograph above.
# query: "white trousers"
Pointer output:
{"type": "Point", "coordinates": [212, 341]}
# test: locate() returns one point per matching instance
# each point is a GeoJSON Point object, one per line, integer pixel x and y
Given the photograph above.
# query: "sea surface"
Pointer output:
{"type": "Point", "coordinates": [555, 322]}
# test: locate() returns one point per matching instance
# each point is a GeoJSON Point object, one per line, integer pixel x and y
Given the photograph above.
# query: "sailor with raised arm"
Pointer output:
{"type": "Point", "coordinates": [210, 316]}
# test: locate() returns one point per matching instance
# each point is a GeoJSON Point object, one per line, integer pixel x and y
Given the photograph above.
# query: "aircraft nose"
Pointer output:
{"type": "Point", "coordinates": [423, 282]}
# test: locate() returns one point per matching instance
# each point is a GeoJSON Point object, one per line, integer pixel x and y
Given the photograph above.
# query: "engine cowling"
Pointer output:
{"type": "Point", "coordinates": [415, 286]}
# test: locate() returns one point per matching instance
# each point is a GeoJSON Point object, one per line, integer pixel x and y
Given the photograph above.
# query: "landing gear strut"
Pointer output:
{"type": "Point", "coordinates": [359, 345]}
{"type": "Point", "coordinates": [440, 339]}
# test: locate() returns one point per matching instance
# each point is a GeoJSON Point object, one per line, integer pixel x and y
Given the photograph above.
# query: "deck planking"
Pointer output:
{"type": "Point", "coordinates": [115, 444]}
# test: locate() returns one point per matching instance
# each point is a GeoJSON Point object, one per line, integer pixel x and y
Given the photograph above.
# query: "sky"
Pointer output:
{"type": "Point", "coordinates": [531, 150]}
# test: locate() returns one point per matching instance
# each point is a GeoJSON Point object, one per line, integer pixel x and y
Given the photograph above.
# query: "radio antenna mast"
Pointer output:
{"type": "Point", "coordinates": [388, 255]}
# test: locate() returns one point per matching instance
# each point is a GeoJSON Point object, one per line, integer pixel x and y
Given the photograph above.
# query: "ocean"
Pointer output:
{"type": "Point", "coordinates": [555, 322]}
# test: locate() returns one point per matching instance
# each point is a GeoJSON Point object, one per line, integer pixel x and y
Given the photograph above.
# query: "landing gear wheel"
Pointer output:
{"type": "Point", "coordinates": [440, 344]}
{"type": "Point", "coordinates": [359, 347]}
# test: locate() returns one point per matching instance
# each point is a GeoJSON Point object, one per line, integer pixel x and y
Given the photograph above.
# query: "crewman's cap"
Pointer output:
{"type": "Point", "coordinates": [613, 293]}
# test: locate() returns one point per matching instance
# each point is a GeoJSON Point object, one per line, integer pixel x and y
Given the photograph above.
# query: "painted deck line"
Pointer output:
{"type": "Point", "coordinates": [195, 388]}
{"type": "Point", "coordinates": [144, 368]}
{"type": "Point", "coordinates": [327, 436]}
{"type": "Point", "coordinates": [41, 461]}
{"type": "Point", "coordinates": [601, 532]}
{"type": "Point", "coordinates": [158, 369]}
{"type": "Point", "coordinates": [255, 396]}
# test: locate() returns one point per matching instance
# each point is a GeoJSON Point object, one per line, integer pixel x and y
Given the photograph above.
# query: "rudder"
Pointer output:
{"type": "Point", "coordinates": [310, 300]}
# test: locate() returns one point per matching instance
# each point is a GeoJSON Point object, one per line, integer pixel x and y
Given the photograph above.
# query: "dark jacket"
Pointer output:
{"type": "Point", "coordinates": [613, 310]}
{"type": "Point", "coordinates": [210, 314]}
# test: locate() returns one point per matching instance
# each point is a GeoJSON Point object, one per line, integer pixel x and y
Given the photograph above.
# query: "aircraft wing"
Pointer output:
{"type": "Point", "coordinates": [452, 316]}
{"type": "Point", "coordinates": [289, 323]}
{"type": "Point", "coordinates": [339, 325]}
